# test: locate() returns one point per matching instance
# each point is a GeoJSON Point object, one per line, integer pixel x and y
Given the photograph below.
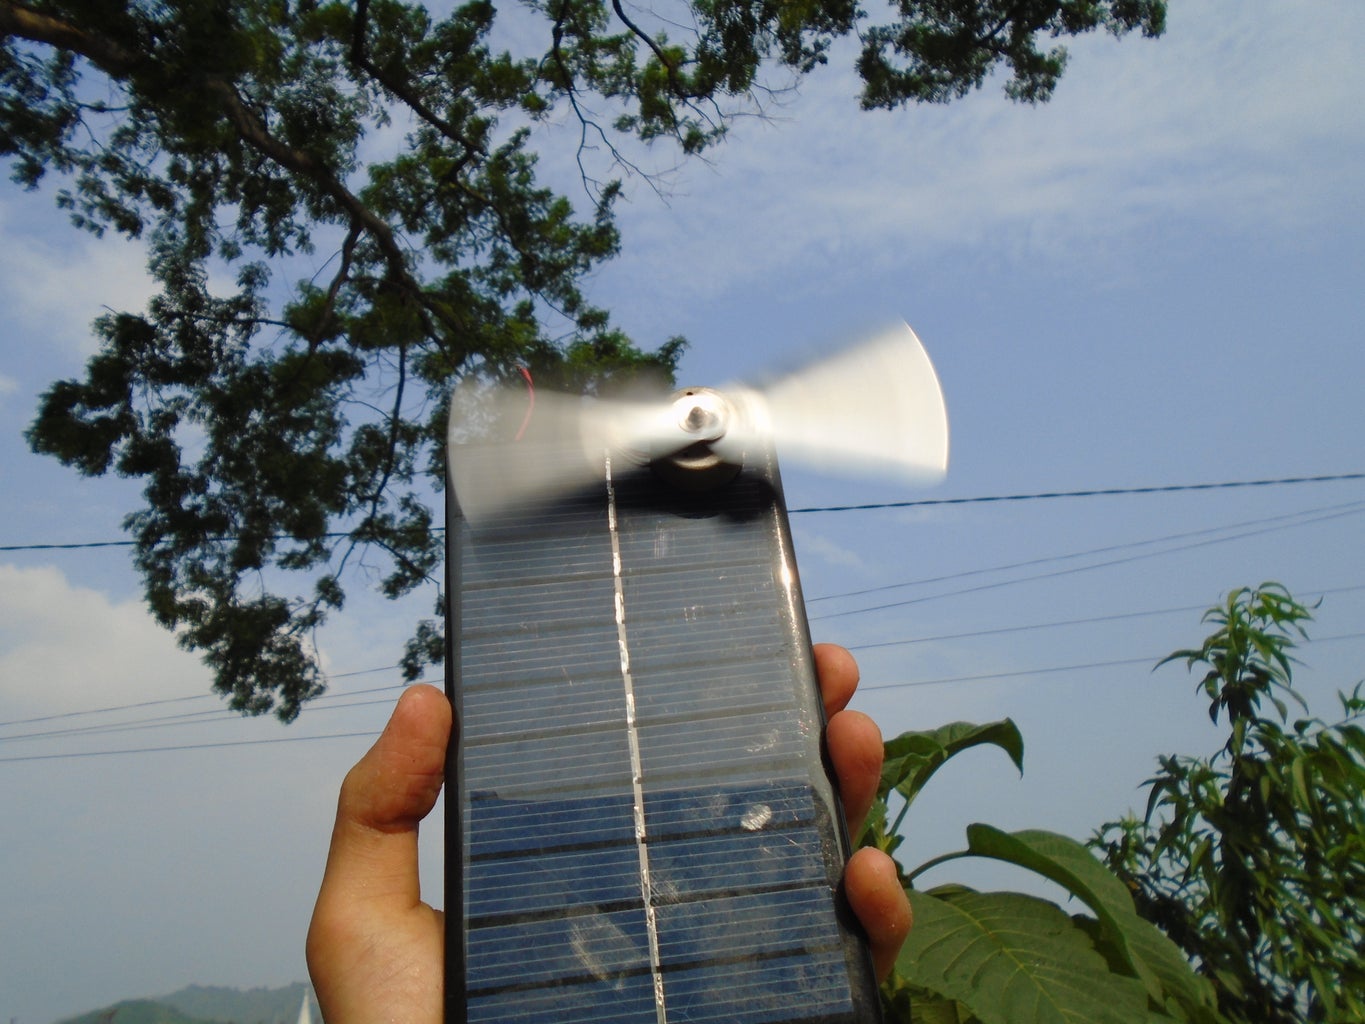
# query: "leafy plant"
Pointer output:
{"type": "Point", "coordinates": [1253, 860]}
{"type": "Point", "coordinates": [1010, 958]}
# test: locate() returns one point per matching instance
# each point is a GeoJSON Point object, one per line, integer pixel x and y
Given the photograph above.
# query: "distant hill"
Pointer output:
{"type": "Point", "coordinates": [204, 1004]}
{"type": "Point", "coordinates": [236, 1006]}
{"type": "Point", "coordinates": [135, 1011]}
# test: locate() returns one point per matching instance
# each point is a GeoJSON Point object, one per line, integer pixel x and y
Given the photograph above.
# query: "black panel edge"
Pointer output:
{"type": "Point", "coordinates": [862, 972]}
{"type": "Point", "coordinates": [862, 978]}
{"type": "Point", "coordinates": [455, 1008]}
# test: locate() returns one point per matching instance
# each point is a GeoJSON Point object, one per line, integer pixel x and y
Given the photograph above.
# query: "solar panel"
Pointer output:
{"type": "Point", "coordinates": [640, 824]}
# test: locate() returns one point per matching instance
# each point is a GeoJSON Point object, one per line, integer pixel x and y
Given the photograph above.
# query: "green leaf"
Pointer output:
{"type": "Point", "coordinates": [939, 1011]}
{"type": "Point", "coordinates": [913, 757]}
{"type": "Point", "coordinates": [1252, 862]}
{"type": "Point", "coordinates": [1188, 996]}
{"type": "Point", "coordinates": [1014, 959]}
{"type": "Point", "coordinates": [1074, 868]}
{"type": "Point", "coordinates": [1301, 789]}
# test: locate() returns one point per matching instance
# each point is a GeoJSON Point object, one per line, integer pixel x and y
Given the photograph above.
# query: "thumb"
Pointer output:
{"type": "Point", "coordinates": [383, 799]}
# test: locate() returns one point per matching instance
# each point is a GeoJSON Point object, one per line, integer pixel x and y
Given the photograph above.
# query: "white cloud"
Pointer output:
{"type": "Point", "coordinates": [1227, 123]}
{"type": "Point", "coordinates": [115, 863]}
{"type": "Point", "coordinates": [64, 647]}
{"type": "Point", "coordinates": [830, 552]}
{"type": "Point", "coordinates": [55, 280]}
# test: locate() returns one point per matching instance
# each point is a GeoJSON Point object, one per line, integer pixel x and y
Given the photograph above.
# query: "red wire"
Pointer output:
{"type": "Point", "coordinates": [530, 402]}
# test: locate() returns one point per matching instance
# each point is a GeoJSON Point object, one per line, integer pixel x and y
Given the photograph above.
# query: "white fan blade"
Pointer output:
{"type": "Point", "coordinates": [874, 408]}
{"type": "Point", "coordinates": [567, 439]}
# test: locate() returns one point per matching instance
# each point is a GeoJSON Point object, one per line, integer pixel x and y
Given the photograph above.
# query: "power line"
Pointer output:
{"type": "Point", "coordinates": [321, 703]}
{"type": "Point", "coordinates": [1149, 660]}
{"type": "Point", "coordinates": [1350, 505]}
{"type": "Point", "coordinates": [1335, 511]}
{"type": "Point", "coordinates": [209, 717]}
{"type": "Point", "coordinates": [73, 547]}
{"type": "Point", "coordinates": [186, 746]}
{"type": "Point", "coordinates": [1006, 675]}
{"type": "Point", "coordinates": [104, 710]}
{"type": "Point", "coordinates": [1105, 492]}
{"type": "Point", "coordinates": [1032, 627]}
{"type": "Point", "coordinates": [919, 503]}
{"type": "Point", "coordinates": [1118, 616]}
{"type": "Point", "coordinates": [1081, 568]}
{"type": "Point", "coordinates": [1338, 509]}
{"type": "Point", "coordinates": [371, 733]}
{"type": "Point", "coordinates": [137, 705]}
{"type": "Point", "coordinates": [360, 672]}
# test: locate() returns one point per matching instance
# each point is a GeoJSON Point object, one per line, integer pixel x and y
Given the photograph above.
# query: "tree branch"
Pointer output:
{"type": "Point", "coordinates": [254, 133]}
{"type": "Point", "coordinates": [119, 62]}
{"type": "Point", "coordinates": [360, 58]}
{"type": "Point", "coordinates": [37, 27]}
{"type": "Point", "coordinates": [640, 34]}
{"type": "Point", "coordinates": [593, 186]}
{"type": "Point", "coordinates": [395, 422]}
{"type": "Point", "coordinates": [342, 274]}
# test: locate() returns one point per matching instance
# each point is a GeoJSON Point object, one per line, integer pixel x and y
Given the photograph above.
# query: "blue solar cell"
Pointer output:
{"type": "Point", "coordinates": [639, 822]}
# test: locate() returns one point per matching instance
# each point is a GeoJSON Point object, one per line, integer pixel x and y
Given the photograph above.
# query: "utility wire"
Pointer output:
{"type": "Point", "coordinates": [321, 703]}
{"type": "Point", "coordinates": [187, 746]}
{"type": "Point", "coordinates": [211, 716]}
{"type": "Point", "coordinates": [104, 710]}
{"type": "Point", "coordinates": [1031, 627]}
{"type": "Point", "coordinates": [920, 503]}
{"type": "Point", "coordinates": [814, 600]}
{"type": "Point", "coordinates": [1084, 554]}
{"type": "Point", "coordinates": [1005, 675]}
{"type": "Point", "coordinates": [1105, 492]}
{"type": "Point", "coordinates": [201, 696]}
{"type": "Point", "coordinates": [371, 733]}
{"type": "Point", "coordinates": [1337, 511]}
{"type": "Point", "coordinates": [1081, 568]}
{"type": "Point", "coordinates": [1150, 660]}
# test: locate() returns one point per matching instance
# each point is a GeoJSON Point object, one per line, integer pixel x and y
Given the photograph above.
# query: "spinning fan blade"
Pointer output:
{"type": "Point", "coordinates": [875, 408]}
{"type": "Point", "coordinates": [565, 439]}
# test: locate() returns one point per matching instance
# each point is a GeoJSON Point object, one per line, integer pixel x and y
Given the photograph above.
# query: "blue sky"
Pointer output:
{"type": "Point", "coordinates": [1158, 278]}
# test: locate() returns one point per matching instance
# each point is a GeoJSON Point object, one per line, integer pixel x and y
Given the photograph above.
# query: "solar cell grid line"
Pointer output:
{"type": "Point", "coordinates": [633, 742]}
{"type": "Point", "coordinates": [640, 825]}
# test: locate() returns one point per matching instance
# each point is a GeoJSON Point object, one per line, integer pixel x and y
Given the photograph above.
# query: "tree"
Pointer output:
{"type": "Point", "coordinates": [1008, 958]}
{"type": "Point", "coordinates": [1253, 860]}
{"type": "Point", "coordinates": [294, 429]}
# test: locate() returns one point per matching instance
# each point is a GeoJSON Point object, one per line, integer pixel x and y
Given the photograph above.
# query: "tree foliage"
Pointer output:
{"type": "Point", "coordinates": [1253, 860]}
{"type": "Point", "coordinates": [1008, 958]}
{"type": "Point", "coordinates": [289, 428]}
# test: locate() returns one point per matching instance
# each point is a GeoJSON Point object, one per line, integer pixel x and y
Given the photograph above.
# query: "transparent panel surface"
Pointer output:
{"type": "Point", "coordinates": [640, 824]}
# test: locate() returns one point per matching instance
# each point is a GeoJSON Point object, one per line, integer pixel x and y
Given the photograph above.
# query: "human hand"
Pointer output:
{"type": "Point", "coordinates": [375, 950]}
{"type": "Point", "coordinates": [855, 749]}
